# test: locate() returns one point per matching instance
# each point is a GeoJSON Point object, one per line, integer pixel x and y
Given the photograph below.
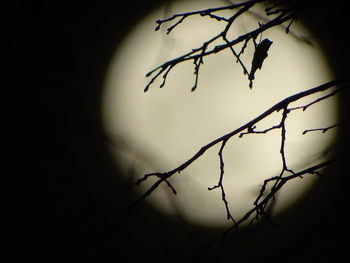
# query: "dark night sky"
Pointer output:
{"type": "Point", "coordinates": [67, 211]}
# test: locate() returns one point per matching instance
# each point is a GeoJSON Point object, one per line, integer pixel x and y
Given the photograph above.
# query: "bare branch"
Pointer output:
{"type": "Point", "coordinates": [287, 29]}
{"type": "Point", "coordinates": [325, 129]}
{"type": "Point", "coordinates": [245, 71]}
{"type": "Point", "coordinates": [220, 183]}
{"type": "Point", "coordinates": [252, 130]}
{"type": "Point", "coordinates": [207, 12]}
{"type": "Point", "coordinates": [261, 204]}
{"type": "Point", "coordinates": [316, 101]}
{"type": "Point", "coordinates": [197, 54]}
{"type": "Point", "coordinates": [283, 141]}
{"type": "Point", "coordinates": [282, 105]}
{"type": "Point", "coordinates": [259, 208]}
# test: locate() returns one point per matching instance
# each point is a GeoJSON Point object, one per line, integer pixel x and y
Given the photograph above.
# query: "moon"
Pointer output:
{"type": "Point", "coordinates": [158, 130]}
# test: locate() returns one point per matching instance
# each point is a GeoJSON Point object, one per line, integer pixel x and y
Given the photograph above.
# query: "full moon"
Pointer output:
{"type": "Point", "coordinates": [158, 130]}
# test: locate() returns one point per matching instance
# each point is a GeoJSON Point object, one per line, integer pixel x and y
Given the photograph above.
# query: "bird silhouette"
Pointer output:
{"type": "Point", "coordinates": [259, 56]}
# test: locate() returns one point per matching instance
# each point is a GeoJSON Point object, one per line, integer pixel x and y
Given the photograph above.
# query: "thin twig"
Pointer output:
{"type": "Point", "coordinates": [325, 129]}
{"type": "Point", "coordinates": [305, 107]}
{"type": "Point", "coordinates": [221, 184]}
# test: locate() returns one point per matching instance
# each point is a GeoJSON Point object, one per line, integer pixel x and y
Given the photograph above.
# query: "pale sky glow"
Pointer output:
{"type": "Point", "coordinates": [160, 129]}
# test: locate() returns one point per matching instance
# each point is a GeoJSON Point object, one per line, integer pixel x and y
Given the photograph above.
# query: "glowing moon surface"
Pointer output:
{"type": "Point", "coordinates": [162, 128]}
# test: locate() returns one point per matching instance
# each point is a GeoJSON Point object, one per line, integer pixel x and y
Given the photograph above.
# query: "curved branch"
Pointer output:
{"type": "Point", "coordinates": [282, 105]}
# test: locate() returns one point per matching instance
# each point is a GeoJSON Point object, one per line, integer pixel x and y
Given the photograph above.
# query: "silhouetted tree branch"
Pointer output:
{"type": "Point", "coordinates": [197, 54]}
{"type": "Point", "coordinates": [271, 186]}
{"type": "Point", "coordinates": [262, 202]}
{"type": "Point", "coordinates": [248, 128]}
{"type": "Point", "coordinates": [325, 129]}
